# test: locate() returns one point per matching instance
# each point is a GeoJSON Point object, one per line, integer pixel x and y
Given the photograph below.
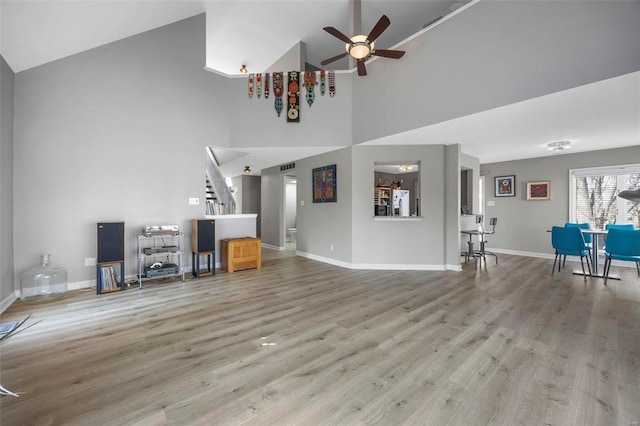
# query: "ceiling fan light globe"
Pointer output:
{"type": "Point", "coordinates": [359, 49]}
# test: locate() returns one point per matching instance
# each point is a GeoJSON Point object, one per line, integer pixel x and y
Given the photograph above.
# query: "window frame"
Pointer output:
{"type": "Point", "coordinates": [618, 171]}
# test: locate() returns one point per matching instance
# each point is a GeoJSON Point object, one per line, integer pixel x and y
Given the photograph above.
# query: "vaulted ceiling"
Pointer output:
{"type": "Point", "coordinates": [255, 33]}
{"type": "Point", "coordinates": [258, 32]}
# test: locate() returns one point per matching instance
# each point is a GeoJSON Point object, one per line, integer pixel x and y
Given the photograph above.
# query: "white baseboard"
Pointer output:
{"type": "Point", "coordinates": [272, 247]}
{"type": "Point", "coordinates": [455, 268]}
{"type": "Point", "coordinates": [376, 266]}
{"type": "Point", "coordinates": [523, 253]}
{"type": "Point", "coordinates": [9, 300]}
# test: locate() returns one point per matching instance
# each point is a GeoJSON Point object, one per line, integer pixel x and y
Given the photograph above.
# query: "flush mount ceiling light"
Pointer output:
{"type": "Point", "coordinates": [359, 48]}
{"type": "Point", "coordinates": [243, 69]}
{"type": "Point", "coordinates": [247, 170]}
{"type": "Point", "coordinates": [558, 147]}
{"type": "Point", "coordinates": [404, 168]}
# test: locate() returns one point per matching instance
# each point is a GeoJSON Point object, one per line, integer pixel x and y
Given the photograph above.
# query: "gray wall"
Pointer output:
{"type": "Point", "coordinates": [251, 197]}
{"type": "Point", "coordinates": [404, 242]}
{"type": "Point", "coordinates": [471, 165]}
{"type": "Point", "coordinates": [290, 204]}
{"type": "Point", "coordinates": [522, 224]}
{"type": "Point", "coordinates": [116, 133]}
{"type": "Point", "coordinates": [451, 246]}
{"type": "Point", "coordinates": [255, 123]}
{"type": "Point", "coordinates": [358, 239]}
{"type": "Point", "coordinates": [6, 180]}
{"type": "Point", "coordinates": [319, 225]}
{"type": "Point", "coordinates": [492, 54]}
{"type": "Point", "coordinates": [272, 213]}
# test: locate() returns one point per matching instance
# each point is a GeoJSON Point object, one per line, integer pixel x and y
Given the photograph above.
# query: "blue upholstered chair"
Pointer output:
{"type": "Point", "coordinates": [628, 226]}
{"type": "Point", "coordinates": [568, 241]}
{"type": "Point", "coordinates": [588, 239]}
{"type": "Point", "coordinates": [622, 244]}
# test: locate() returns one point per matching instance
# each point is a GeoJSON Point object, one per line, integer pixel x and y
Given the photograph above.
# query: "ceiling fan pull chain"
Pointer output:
{"type": "Point", "coordinates": [310, 85]}
{"type": "Point", "coordinates": [278, 80]}
{"type": "Point", "coordinates": [322, 82]}
{"type": "Point", "coordinates": [332, 83]}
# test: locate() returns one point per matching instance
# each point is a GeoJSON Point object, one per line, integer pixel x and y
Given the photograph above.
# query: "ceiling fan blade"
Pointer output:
{"type": "Point", "coordinates": [380, 26]}
{"type": "Point", "coordinates": [362, 70]}
{"type": "Point", "coordinates": [333, 58]}
{"type": "Point", "coordinates": [394, 54]}
{"type": "Point", "coordinates": [334, 32]}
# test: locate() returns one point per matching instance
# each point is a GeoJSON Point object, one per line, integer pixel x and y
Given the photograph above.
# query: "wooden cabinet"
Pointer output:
{"type": "Point", "coordinates": [240, 253]}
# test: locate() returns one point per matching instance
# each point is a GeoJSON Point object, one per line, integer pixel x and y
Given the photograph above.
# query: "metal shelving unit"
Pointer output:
{"type": "Point", "coordinates": [160, 248]}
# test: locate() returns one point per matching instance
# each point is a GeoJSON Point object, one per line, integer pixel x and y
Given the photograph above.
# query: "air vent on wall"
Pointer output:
{"type": "Point", "coordinates": [287, 167]}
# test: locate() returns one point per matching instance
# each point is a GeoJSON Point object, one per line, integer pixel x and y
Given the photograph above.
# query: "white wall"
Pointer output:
{"type": "Point", "coordinates": [6, 182]}
{"type": "Point", "coordinates": [116, 133]}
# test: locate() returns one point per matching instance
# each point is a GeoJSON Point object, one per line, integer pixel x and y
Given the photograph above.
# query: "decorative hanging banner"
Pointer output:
{"type": "Point", "coordinates": [310, 85]}
{"type": "Point", "coordinates": [293, 90]}
{"type": "Point", "coordinates": [266, 85]}
{"type": "Point", "coordinates": [322, 82]}
{"type": "Point", "coordinates": [250, 86]}
{"type": "Point", "coordinates": [278, 85]}
{"type": "Point", "coordinates": [332, 83]}
{"type": "Point", "coordinates": [258, 84]}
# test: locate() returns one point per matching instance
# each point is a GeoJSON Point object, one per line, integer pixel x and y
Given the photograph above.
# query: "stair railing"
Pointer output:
{"type": "Point", "coordinates": [225, 203]}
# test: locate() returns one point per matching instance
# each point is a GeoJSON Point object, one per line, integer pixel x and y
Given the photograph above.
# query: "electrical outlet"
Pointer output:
{"type": "Point", "coordinates": [194, 201]}
{"type": "Point", "coordinates": [301, 202]}
{"type": "Point", "coordinates": [331, 247]}
{"type": "Point", "coordinates": [491, 203]}
{"type": "Point", "coordinates": [90, 261]}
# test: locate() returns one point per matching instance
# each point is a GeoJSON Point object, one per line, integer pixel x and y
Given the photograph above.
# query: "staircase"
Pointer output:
{"type": "Point", "coordinates": [219, 198]}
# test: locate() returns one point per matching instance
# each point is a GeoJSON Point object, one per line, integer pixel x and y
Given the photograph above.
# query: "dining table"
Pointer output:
{"type": "Point", "coordinates": [595, 234]}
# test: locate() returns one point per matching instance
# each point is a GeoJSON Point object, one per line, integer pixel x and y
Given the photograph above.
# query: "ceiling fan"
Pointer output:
{"type": "Point", "coordinates": [361, 47]}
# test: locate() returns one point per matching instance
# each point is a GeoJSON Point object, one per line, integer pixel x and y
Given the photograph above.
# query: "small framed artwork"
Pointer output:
{"type": "Point", "coordinates": [540, 190]}
{"type": "Point", "coordinates": [325, 184]}
{"type": "Point", "coordinates": [505, 186]}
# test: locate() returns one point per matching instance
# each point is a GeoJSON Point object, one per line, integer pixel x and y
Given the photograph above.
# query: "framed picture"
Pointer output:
{"type": "Point", "coordinates": [540, 190]}
{"type": "Point", "coordinates": [505, 186]}
{"type": "Point", "coordinates": [324, 184]}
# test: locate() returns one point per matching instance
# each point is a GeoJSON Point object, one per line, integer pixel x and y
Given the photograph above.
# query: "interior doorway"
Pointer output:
{"type": "Point", "coordinates": [290, 186]}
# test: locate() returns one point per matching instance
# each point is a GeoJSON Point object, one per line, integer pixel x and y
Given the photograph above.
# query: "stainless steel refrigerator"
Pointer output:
{"type": "Point", "coordinates": [400, 199]}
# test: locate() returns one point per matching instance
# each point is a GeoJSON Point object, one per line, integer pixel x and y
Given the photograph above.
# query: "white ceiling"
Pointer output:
{"type": "Point", "coordinates": [597, 116]}
{"type": "Point", "coordinates": [252, 32]}
{"type": "Point", "coordinates": [256, 33]}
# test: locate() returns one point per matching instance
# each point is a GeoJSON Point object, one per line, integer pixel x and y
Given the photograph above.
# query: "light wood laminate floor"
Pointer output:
{"type": "Point", "coordinates": [300, 342]}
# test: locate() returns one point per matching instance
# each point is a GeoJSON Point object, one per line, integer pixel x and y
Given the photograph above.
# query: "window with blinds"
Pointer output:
{"type": "Point", "coordinates": [594, 196]}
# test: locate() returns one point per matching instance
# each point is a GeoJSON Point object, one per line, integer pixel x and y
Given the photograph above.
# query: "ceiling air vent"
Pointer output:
{"type": "Point", "coordinates": [287, 167]}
